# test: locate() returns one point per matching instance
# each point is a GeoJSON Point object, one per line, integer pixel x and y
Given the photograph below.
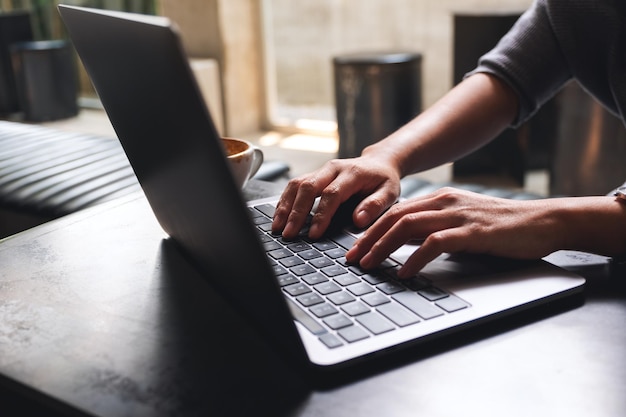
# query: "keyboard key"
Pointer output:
{"type": "Point", "coordinates": [390, 287]}
{"type": "Point", "coordinates": [392, 274]}
{"type": "Point", "coordinates": [324, 245]}
{"type": "Point", "coordinates": [280, 253]}
{"type": "Point", "coordinates": [375, 323]}
{"type": "Point", "coordinates": [296, 289]}
{"type": "Point", "coordinates": [330, 340]}
{"type": "Point", "coordinates": [355, 308]}
{"type": "Point", "coordinates": [353, 334]}
{"type": "Point", "coordinates": [417, 304]}
{"type": "Point", "coordinates": [254, 213]}
{"type": "Point", "coordinates": [264, 238]}
{"type": "Point", "coordinates": [323, 310]}
{"type": "Point", "coordinates": [287, 242]}
{"type": "Point", "coordinates": [298, 247]}
{"type": "Point", "coordinates": [266, 209]}
{"type": "Point", "coordinates": [339, 298]}
{"type": "Point", "coordinates": [337, 321]}
{"type": "Point", "coordinates": [375, 299]}
{"type": "Point", "coordinates": [432, 293]}
{"type": "Point", "coordinates": [284, 280]}
{"type": "Point", "coordinates": [334, 270]}
{"type": "Point", "coordinates": [374, 279]}
{"type": "Point", "coordinates": [271, 245]}
{"type": "Point", "coordinates": [387, 263]}
{"type": "Point", "coordinates": [321, 262]}
{"type": "Point", "coordinates": [335, 253]}
{"type": "Point", "coordinates": [357, 270]}
{"type": "Point", "coordinates": [416, 283]}
{"type": "Point", "coordinates": [291, 261]}
{"type": "Point", "coordinates": [261, 220]}
{"type": "Point", "coordinates": [452, 303]}
{"type": "Point", "coordinates": [301, 270]}
{"type": "Point", "coordinates": [346, 279]}
{"type": "Point", "coordinates": [315, 278]}
{"type": "Point", "coordinates": [310, 299]}
{"type": "Point", "coordinates": [398, 314]}
{"type": "Point", "coordinates": [309, 254]}
{"type": "Point", "coordinates": [361, 288]}
{"type": "Point", "coordinates": [327, 287]}
{"type": "Point", "coordinates": [278, 270]}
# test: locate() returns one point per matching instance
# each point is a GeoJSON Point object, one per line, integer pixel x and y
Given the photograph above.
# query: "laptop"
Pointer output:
{"type": "Point", "coordinates": [321, 312]}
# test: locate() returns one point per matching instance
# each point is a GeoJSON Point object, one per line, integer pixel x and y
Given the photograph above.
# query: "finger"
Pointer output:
{"type": "Point", "coordinates": [368, 239]}
{"type": "Point", "coordinates": [444, 241]}
{"type": "Point", "coordinates": [380, 248]}
{"type": "Point", "coordinates": [342, 189]}
{"type": "Point", "coordinates": [331, 197]}
{"type": "Point", "coordinates": [306, 191]}
{"type": "Point", "coordinates": [400, 224]}
{"type": "Point", "coordinates": [385, 222]}
{"type": "Point", "coordinates": [283, 208]}
{"type": "Point", "coordinates": [327, 182]}
{"type": "Point", "coordinates": [374, 205]}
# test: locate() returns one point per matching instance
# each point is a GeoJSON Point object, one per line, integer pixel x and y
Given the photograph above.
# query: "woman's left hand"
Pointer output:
{"type": "Point", "coordinates": [453, 220]}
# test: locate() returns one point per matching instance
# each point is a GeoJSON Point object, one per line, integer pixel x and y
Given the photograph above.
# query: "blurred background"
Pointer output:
{"type": "Point", "coordinates": [315, 75]}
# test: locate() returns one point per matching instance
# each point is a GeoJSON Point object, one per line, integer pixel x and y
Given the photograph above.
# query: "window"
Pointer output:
{"type": "Point", "coordinates": [302, 37]}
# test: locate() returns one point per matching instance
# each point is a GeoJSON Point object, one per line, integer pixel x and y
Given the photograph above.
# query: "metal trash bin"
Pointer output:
{"type": "Point", "coordinates": [375, 94]}
{"type": "Point", "coordinates": [14, 27]}
{"type": "Point", "coordinates": [46, 79]}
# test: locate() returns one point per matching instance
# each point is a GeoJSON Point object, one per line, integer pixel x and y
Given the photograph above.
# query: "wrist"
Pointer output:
{"type": "Point", "coordinates": [384, 152]}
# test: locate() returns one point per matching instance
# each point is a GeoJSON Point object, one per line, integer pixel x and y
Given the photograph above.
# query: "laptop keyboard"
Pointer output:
{"type": "Point", "coordinates": [341, 303]}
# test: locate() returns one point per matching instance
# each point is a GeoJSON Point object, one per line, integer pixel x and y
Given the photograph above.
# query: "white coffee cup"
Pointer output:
{"type": "Point", "coordinates": [244, 159]}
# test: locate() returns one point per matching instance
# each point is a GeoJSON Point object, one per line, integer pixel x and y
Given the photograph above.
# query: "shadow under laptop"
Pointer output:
{"type": "Point", "coordinates": [210, 360]}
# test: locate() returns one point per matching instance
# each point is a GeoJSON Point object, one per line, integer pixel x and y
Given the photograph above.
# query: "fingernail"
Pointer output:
{"type": "Point", "coordinates": [351, 254]}
{"type": "Point", "coordinates": [362, 218]}
{"type": "Point", "coordinates": [275, 223]}
{"type": "Point", "coordinates": [314, 230]}
{"type": "Point", "coordinates": [403, 273]}
{"type": "Point", "coordinates": [365, 261]}
{"type": "Point", "coordinates": [287, 230]}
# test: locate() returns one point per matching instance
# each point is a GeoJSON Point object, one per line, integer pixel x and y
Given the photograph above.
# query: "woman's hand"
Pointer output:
{"type": "Point", "coordinates": [451, 220]}
{"type": "Point", "coordinates": [370, 175]}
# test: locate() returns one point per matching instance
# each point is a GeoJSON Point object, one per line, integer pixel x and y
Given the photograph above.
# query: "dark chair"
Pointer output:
{"type": "Point", "coordinates": [46, 173]}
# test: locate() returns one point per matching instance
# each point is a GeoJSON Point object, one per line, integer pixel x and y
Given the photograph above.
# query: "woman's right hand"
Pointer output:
{"type": "Point", "coordinates": [370, 175]}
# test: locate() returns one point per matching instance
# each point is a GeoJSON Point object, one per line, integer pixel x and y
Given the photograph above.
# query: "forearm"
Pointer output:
{"type": "Point", "coordinates": [469, 116]}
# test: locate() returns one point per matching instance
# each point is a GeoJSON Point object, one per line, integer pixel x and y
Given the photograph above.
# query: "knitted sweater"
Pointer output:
{"type": "Point", "coordinates": [556, 40]}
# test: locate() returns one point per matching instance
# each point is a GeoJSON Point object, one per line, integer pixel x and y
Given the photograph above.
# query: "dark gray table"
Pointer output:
{"type": "Point", "coordinates": [100, 315]}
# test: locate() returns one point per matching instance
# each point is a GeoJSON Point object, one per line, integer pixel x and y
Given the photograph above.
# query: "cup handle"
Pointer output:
{"type": "Point", "coordinates": [257, 161]}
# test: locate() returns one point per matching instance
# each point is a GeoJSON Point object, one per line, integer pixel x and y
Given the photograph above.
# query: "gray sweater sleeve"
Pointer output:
{"type": "Point", "coordinates": [529, 59]}
{"type": "Point", "coordinates": [556, 40]}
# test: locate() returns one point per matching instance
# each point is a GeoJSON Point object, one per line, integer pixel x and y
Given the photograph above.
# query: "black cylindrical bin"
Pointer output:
{"type": "Point", "coordinates": [14, 27]}
{"type": "Point", "coordinates": [375, 94]}
{"type": "Point", "coordinates": [46, 79]}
